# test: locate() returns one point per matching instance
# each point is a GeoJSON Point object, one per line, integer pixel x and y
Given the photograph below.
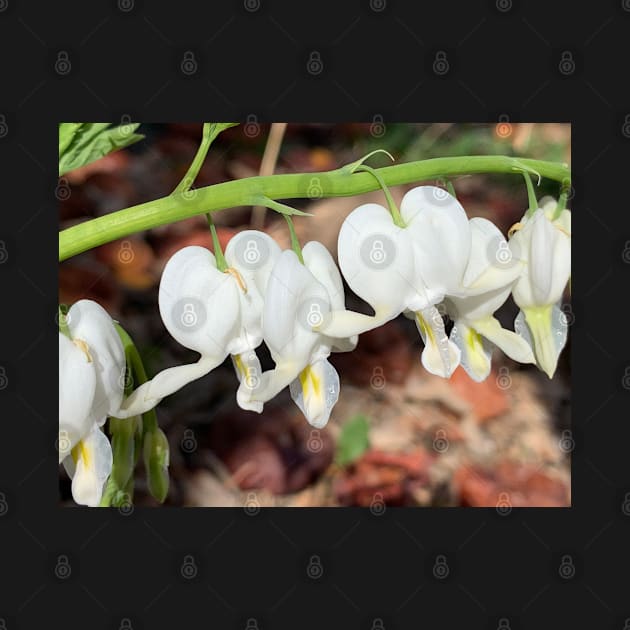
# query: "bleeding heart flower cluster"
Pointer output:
{"type": "Point", "coordinates": [432, 261]}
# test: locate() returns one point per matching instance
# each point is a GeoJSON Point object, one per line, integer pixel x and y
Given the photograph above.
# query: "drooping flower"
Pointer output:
{"type": "Point", "coordinates": [412, 268]}
{"type": "Point", "coordinates": [215, 313]}
{"type": "Point", "coordinates": [299, 297]}
{"type": "Point", "coordinates": [490, 275]}
{"type": "Point", "coordinates": [91, 385]}
{"type": "Point", "coordinates": [543, 241]}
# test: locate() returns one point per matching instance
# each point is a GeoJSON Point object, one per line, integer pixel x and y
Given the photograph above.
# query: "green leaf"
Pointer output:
{"type": "Point", "coordinates": [210, 132]}
{"type": "Point", "coordinates": [84, 143]}
{"type": "Point", "coordinates": [353, 441]}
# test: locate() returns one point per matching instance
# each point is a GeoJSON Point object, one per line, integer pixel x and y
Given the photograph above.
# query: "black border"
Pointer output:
{"type": "Point", "coordinates": [501, 62]}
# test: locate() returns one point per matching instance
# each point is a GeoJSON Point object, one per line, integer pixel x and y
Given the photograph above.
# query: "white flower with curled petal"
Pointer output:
{"type": "Point", "coordinates": [490, 275]}
{"type": "Point", "coordinates": [413, 268]}
{"type": "Point", "coordinates": [298, 298]}
{"type": "Point", "coordinates": [215, 313]}
{"type": "Point", "coordinates": [544, 243]}
{"type": "Point", "coordinates": [91, 385]}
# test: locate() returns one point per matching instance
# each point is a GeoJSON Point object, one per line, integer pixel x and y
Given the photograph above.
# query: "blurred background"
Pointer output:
{"type": "Point", "coordinates": [398, 435]}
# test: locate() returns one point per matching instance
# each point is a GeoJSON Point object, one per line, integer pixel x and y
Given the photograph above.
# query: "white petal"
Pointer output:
{"type": "Point", "coordinates": [164, 384]}
{"type": "Point", "coordinates": [90, 322]}
{"type": "Point", "coordinates": [77, 384]}
{"type": "Point", "coordinates": [512, 344]}
{"type": "Point", "coordinates": [477, 306]}
{"type": "Point", "coordinates": [272, 382]}
{"type": "Point", "coordinates": [376, 259]}
{"type": "Point", "coordinates": [253, 254]}
{"type": "Point", "coordinates": [90, 468]}
{"type": "Point", "coordinates": [295, 302]}
{"type": "Point", "coordinates": [545, 330]}
{"type": "Point", "coordinates": [441, 238]}
{"type": "Point", "coordinates": [476, 352]}
{"type": "Point", "coordinates": [348, 324]}
{"type": "Point", "coordinates": [320, 263]}
{"type": "Point", "coordinates": [315, 392]}
{"type": "Point", "coordinates": [440, 356]}
{"type": "Point", "coordinates": [249, 372]}
{"type": "Point", "coordinates": [344, 344]}
{"type": "Point", "coordinates": [492, 263]}
{"type": "Point", "coordinates": [542, 244]}
{"type": "Point", "coordinates": [199, 305]}
{"type": "Point", "coordinates": [561, 266]}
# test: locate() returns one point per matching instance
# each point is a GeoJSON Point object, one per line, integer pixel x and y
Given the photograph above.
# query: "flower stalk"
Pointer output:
{"type": "Point", "coordinates": [337, 183]}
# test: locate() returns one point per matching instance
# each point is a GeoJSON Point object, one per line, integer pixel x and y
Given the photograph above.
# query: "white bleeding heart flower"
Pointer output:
{"type": "Point", "coordinates": [544, 243]}
{"type": "Point", "coordinates": [215, 313]}
{"type": "Point", "coordinates": [412, 268]}
{"type": "Point", "coordinates": [91, 386]}
{"type": "Point", "coordinates": [490, 274]}
{"type": "Point", "coordinates": [298, 299]}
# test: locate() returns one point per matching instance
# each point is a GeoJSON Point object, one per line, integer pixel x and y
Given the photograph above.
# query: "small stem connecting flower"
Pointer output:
{"type": "Point", "coordinates": [295, 243]}
{"type": "Point", "coordinates": [359, 166]}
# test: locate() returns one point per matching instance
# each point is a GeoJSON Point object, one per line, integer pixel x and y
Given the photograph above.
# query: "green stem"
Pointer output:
{"type": "Point", "coordinates": [393, 208]}
{"type": "Point", "coordinates": [193, 169]}
{"type": "Point", "coordinates": [531, 194]}
{"type": "Point", "coordinates": [64, 329]}
{"type": "Point", "coordinates": [295, 243]}
{"type": "Point", "coordinates": [337, 183]}
{"type": "Point", "coordinates": [216, 245]}
{"type": "Point", "coordinates": [562, 202]}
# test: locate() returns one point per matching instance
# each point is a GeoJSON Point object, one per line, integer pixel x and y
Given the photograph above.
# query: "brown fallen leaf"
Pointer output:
{"type": "Point", "coordinates": [509, 483]}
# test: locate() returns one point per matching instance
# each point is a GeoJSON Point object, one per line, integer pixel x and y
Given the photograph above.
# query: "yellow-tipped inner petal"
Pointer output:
{"type": "Point", "coordinates": [476, 355]}
{"type": "Point", "coordinates": [427, 331]}
{"type": "Point", "coordinates": [79, 343]}
{"type": "Point", "coordinates": [241, 367]}
{"type": "Point", "coordinates": [83, 452]}
{"type": "Point", "coordinates": [310, 383]}
{"type": "Point", "coordinates": [237, 276]}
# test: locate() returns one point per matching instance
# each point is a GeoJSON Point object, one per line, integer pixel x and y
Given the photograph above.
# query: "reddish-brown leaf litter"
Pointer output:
{"type": "Point", "coordinates": [432, 442]}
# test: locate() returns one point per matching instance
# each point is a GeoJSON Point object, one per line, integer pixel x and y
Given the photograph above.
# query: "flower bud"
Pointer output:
{"type": "Point", "coordinates": [123, 449]}
{"type": "Point", "coordinates": [156, 460]}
